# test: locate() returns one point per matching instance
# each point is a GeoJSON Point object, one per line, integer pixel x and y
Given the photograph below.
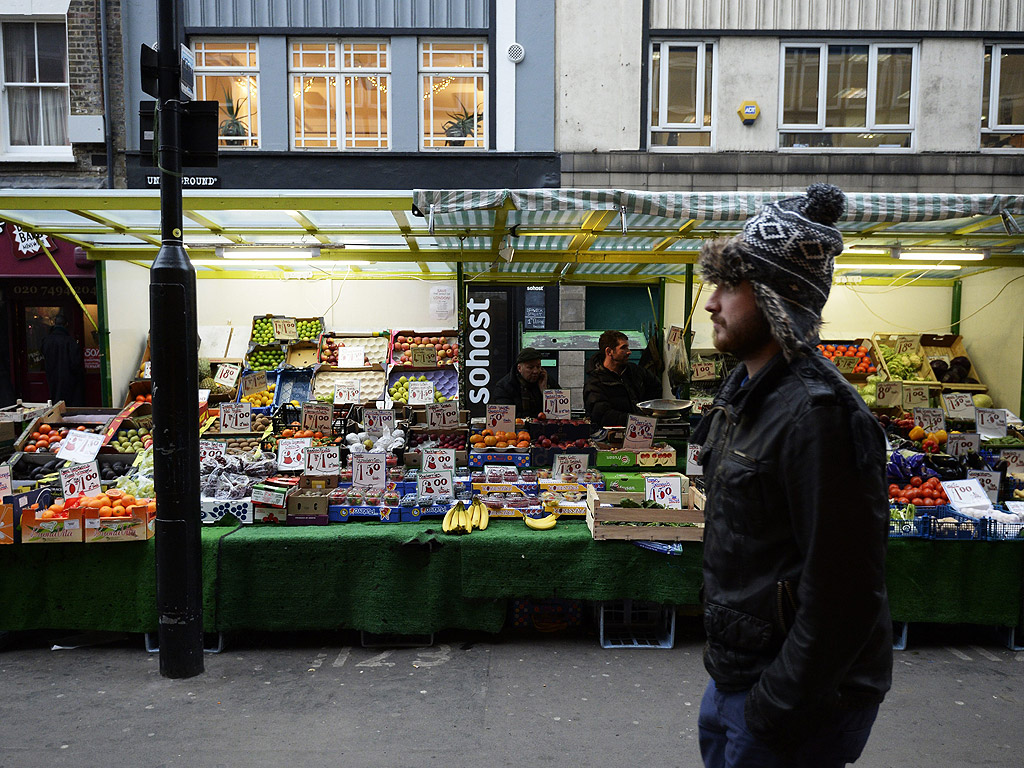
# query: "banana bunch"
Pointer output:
{"type": "Point", "coordinates": [545, 523]}
{"type": "Point", "coordinates": [458, 519]}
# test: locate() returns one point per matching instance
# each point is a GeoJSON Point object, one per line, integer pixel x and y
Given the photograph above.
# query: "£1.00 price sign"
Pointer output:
{"type": "Point", "coordinates": [211, 448]}
{"type": "Point", "coordinates": [962, 443]}
{"type": "Point", "coordinates": [666, 490]}
{"type": "Point", "coordinates": [501, 418]}
{"type": "Point", "coordinates": [556, 403]}
{"type": "Point", "coordinates": [323, 460]}
{"type": "Point", "coordinates": [368, 470]}
{"type": "Point", "coordinates": [80, 447]}
{"type": "Point", "coordinates": [285, 328]}
{"type": "Point", "coordinates": [443, 415]}
{"type": "Point", "coordinates": [639, 432]}
{"type": "Point", "coordinates": [438, 459]}
{"type": "Point", "coordinates": [291, 453]}
{"type": "Point", "coordinates": [959, 405]}
{"type": "Point", "coordinates": [375, 420]}
{"type": "Point", "coordinates": [236, 417]}
{"type": "Point", "coordinates": [966, 494]}
{"type": "Point", "coordinates": [914, 396]}
{"type": "Point", "coordinates": [702, 371]}
{"type": "Point", "coordinates": [80, 480]}
{"type": "Point", "coordinates": [435, 485]}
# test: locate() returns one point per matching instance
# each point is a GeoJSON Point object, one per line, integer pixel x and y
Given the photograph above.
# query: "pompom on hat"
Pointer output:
{"type": "Point", "coordinates": [787, 251]}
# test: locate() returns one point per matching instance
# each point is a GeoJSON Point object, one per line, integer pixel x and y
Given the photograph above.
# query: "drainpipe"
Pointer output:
{"type": "Point", "coordinates": [108, 135]}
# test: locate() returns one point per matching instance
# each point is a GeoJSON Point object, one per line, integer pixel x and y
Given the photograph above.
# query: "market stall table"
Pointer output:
{"type": "Point", "coordinates": [410, 579]}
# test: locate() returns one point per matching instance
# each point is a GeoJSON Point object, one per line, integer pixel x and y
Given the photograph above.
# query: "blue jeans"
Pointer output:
{"type": "Point", "coordinates": [725, 741]}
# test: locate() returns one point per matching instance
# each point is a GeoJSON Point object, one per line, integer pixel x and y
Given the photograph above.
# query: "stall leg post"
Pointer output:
{"type": "Point", "coordinates": [954, 313]}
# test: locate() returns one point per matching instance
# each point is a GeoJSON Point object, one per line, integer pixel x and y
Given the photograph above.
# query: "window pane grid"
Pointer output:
{"type": "Point", "coordinates": [681, 89]}
{"type": "Point", "coordinates": [228, 71]}
{"type": "Point", "coordinates": [454, 96]}
{"type": "Point", "coordinates": [1002, 119]}
{"type": "Point", "coordinates": [35, 94]}
{"type": "Point", "coordinates": [460, 54]}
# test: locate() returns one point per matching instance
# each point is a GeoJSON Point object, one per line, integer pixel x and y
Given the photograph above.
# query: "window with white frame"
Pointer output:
{"type": "Point", "coordinates": [453, 87]}
{"type": "Point", "coordinates": [35, 99]}
{"type": "Point", "coordinates": [681, 94]}
{"type": "Point", "coordinates": [340, 94]}
{"type": "Point", "coordinates": [228, 72]}
{"type": "Point", "coordinates": [848, 95]}
{"type": "Point", "coordinates": [1002, 98]}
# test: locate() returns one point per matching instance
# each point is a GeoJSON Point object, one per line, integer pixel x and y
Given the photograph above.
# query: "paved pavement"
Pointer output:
{"type": "Point", "coordinates": [481, 701]}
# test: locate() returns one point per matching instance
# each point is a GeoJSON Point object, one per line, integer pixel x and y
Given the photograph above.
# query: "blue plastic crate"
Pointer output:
{"type": "Point", "coordinates": [636, 624]}
{"type": "Point", "coordinates": [909, 529]}
{"type": "Point", "coordinates": [960, 528]}
{"type": "Point", "coordinates": [293, 384]}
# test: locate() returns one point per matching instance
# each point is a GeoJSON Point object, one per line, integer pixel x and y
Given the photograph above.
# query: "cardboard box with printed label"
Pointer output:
{"type": "Point", "coordinates": [655, 456]}
{"type": "Point", "coordinates": [140, 525]}
{"type": "Point", "coordinates": [6, 523]}
{"type": "Point", "coordinates": [319, 482]}
{"type": "Point", "coordinates": [308, 507]}
{"type": "Point", "coordinates": [213, 510]}
{"type": "Point", "coordinates": [38, 529]}
{"type": "Point", "coordinates": [269, 515]}
{"type": "Point", "coordinates": [271, 494]}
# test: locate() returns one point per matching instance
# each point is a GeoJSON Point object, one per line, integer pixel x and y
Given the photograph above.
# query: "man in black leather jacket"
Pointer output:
{"type": "Point", "coordinates": [799, 638]}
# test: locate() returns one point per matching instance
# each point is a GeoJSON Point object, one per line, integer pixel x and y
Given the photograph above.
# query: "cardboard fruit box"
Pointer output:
{"type": "Point", "coordinates": [604, 515]}
{"type": "Point", "coordinates": [37, 529]}
{"type": "Point", "coordinates": [139, 525]}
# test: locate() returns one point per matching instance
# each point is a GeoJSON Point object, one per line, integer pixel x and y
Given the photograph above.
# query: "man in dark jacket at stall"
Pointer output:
{"type": "Point", "coordinates": [524, 385]}
{"type": "Point", "coordinates": [62, 359]}
{"type": "Point", "coordinates": [613, 385]}
{"type": "Point", "coordinates": [799, 638]}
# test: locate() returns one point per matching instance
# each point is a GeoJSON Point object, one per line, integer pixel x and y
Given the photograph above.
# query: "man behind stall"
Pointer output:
{"type": "Point", "coordinates": [524, 385]}
{"type": "Point", "coordinates": [614, 385]}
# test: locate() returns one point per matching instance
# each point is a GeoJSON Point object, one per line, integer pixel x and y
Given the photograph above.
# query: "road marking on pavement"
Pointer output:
{"type": "Point", "coordinates": [1019, 656]}
{"type": "Point", "coordinates": [987, 654]}
{"type": "Point", "coordinates": [959, 654]}
{"type": "Point", "coordinates": [378, 661]}
{"type": "Point", "coordinates": [315, 664]}
{"type": "Point", "coordinates": [433, 657]}
{"type": "Point", "coordinates": [342, 657]}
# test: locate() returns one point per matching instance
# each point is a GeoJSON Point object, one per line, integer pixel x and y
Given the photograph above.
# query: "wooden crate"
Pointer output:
{"type": "Point", "coordinates": [601, 519]}
{"type": "Point", "coordinates": [946, 347]}
{"type": "Point", "coordinates": [880, 340]}
{"type": "Point", "coordinates": [858, 378]}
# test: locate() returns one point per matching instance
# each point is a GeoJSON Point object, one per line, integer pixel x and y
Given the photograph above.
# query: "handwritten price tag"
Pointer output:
{"type": "Point", "coordinates": [963, 443]}
{"type": "Point", "coordinates": [368, 471]}
{"type": "Point", "coordinates": [556, 403]}
{"type": "Point", "coordinates": [1014, 458]}
{"type": "Point", "coordinates": [147, 370]}
{"type": "Point", "coordinates": [929, 419]}
{"type": "Point", "coordinates": [236, 417]}
{"type": "Point", "coordinates": [846, 364]}
{"type": "Point", "coordinates": [443, 415]}
{"type": "Point", "coordinates": [435, 485]}
{"type": "Point", "coordinates": [317, 417]}
{"type": "Point", "coordinates": [639, 432]}
{"type": "Point", "coordinates": [569, 463]}
{"type": "Point", "coordinates": [425, 357]}
{"type": "Point", "coordinates": [323, 460]}
{"type": "Point", "coordinates": [990, 422]}
{"type": "Point", "coordinates": [666, 490]}
{"type": "Point", "coordinates": [253, 383]}
{"type": "Point", "coordinates": [210, 448]}
{"type": "Point", "coordinates": [351, 357]}
{"type": "Point", "coordinates": [989, 482]}
{"type": "Point", "coordinates": [675, 335]}
{"type": "Point", "coordinates": [905, 344]}
{"type": "Point", "coordinates": [692, 467]}
{"type": "Point", "coordinates": [80, 447]}
{"type": "Point", "coordinates": [966, 494]}
{"type": "Point", "coordinates": [285, 328]}
{"type": "Point", "coordinates": [914, 396]}
{"type": "Point", "coordinates": [5, 481]}
{"type": "Point", "coordinates": [421, 392]}
{"type": "Point", "coordinates": [501, 417]}
{"type": "Point", "coordinates": [702, 371]}
{"type": "Point", "coordinates": [437, 459]}
{"type": "Point", "coordinates": [80, 480]}
{"type": "Point", "coordinates": [889, 394]}
{"type": "Point", "coordinates": [291, 453]}
{"type": "Point", "coordinates": [959, 405]}
{"type": "Point", "coordinates": [347, 392]}
{"type": "Point", "coordinates": [227, 375]}
{"type": "Point", "coordinates": [375, 420]}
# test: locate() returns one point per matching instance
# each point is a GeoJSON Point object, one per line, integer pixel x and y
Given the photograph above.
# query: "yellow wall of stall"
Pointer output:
{"type": "Point", "coordinates": [992, 325]}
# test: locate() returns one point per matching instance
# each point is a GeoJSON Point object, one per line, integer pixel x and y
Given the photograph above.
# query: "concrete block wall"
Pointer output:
{"type": "Point", "coordinates": [572, 315]}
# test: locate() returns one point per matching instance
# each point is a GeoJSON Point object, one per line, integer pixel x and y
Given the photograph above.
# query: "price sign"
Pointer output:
{"type": "Point", "coordinates": [351, 357]}
{"type": "Point", "coordinates": [990, 422]}
{"type": "Point", "coordinates": [347, 392]}
{"type": "Point", "coordinates": [569, 463]}
{"type": "Point", "coordinates": [5, 480]}
{"type": "Point", "coordinates": [639, 432]}
{"type": "Point", "coordinates": [285, 328]}
{"type": "Point", "coordinates": [435, 485]}
{"type": "Point", "coordinates": [375, 420]}
{"type": "Point", "coordinates": [666, 490]}
{"type": "Point", "coordinates": [962, 443]}
{"type": "Point", "coordinates": [317, 417]}
{"type": "Point", "coordinates": [692, 467]}
{"type": "Point", "coordinates": [253, 383]}
{"type": "Point", "coordinates": [323, 460]}
{"type": "Point", "coordinates": [501, 417]}
{"type": "Point", "coordinates": [421, 392]}
{"type": "Point", "coordinates": [147, 370]}
{"type": "Point", "coordinates": [438, 459]}
{"type": "Point", "coordinates": [905, 344]}
{"type": "Point", "coordinates": [702, 371]}
{"type": "Point", "coordinates": [959, 405]}
{"type": "Point", "coordinates": [989, 482]}
{"type": "Point", "coordinates": [443, 415]}
{"type": "Point", "coordinates": [80, 480]}
{"type": "Point", "coordinates": [210, 448]}
{"type": "Point", "coordinates": [846, 364]}
{"type": "Point", "coordinates": [914, 396]}
{"type": "Point", "coordinates": [204, 395]}
{"type": "Point", "coordinates": [368, 470]}
{"type": "Point", "coordinates": [424, 356]}
{"type": "Point", "coordinates": [236, 417]}
{"type": "Point", "coordinates": [888, 394]}
{"type": "Point", "coordinates": [80, 447]}
{"type": "Point", "coordinates": [556, 403]}
{"type": "Point", "coordinates": [1014, 458]}
{"type": "Point", "coordinates": [966, 493]}
{"type": "Point", "coordinates": [1015, 507]}
{"type": "Point", "coordinates": [675, 335]}
{"type": "Point", "coordinates": [929, 419]}
{"type": "Point", "coordinates": [227, 374]}
{"type": "Point", "coordinates": [291, 453]}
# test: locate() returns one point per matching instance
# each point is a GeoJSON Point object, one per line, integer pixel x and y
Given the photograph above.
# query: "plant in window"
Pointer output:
{"type": "Point", "coordinates": [461, 125]}
{"type": "Point", "coordinates": [233, 125]}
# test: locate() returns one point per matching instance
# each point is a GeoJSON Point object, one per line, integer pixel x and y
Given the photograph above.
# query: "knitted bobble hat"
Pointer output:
{"type": "Point", "coordinates": [787, 251]}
